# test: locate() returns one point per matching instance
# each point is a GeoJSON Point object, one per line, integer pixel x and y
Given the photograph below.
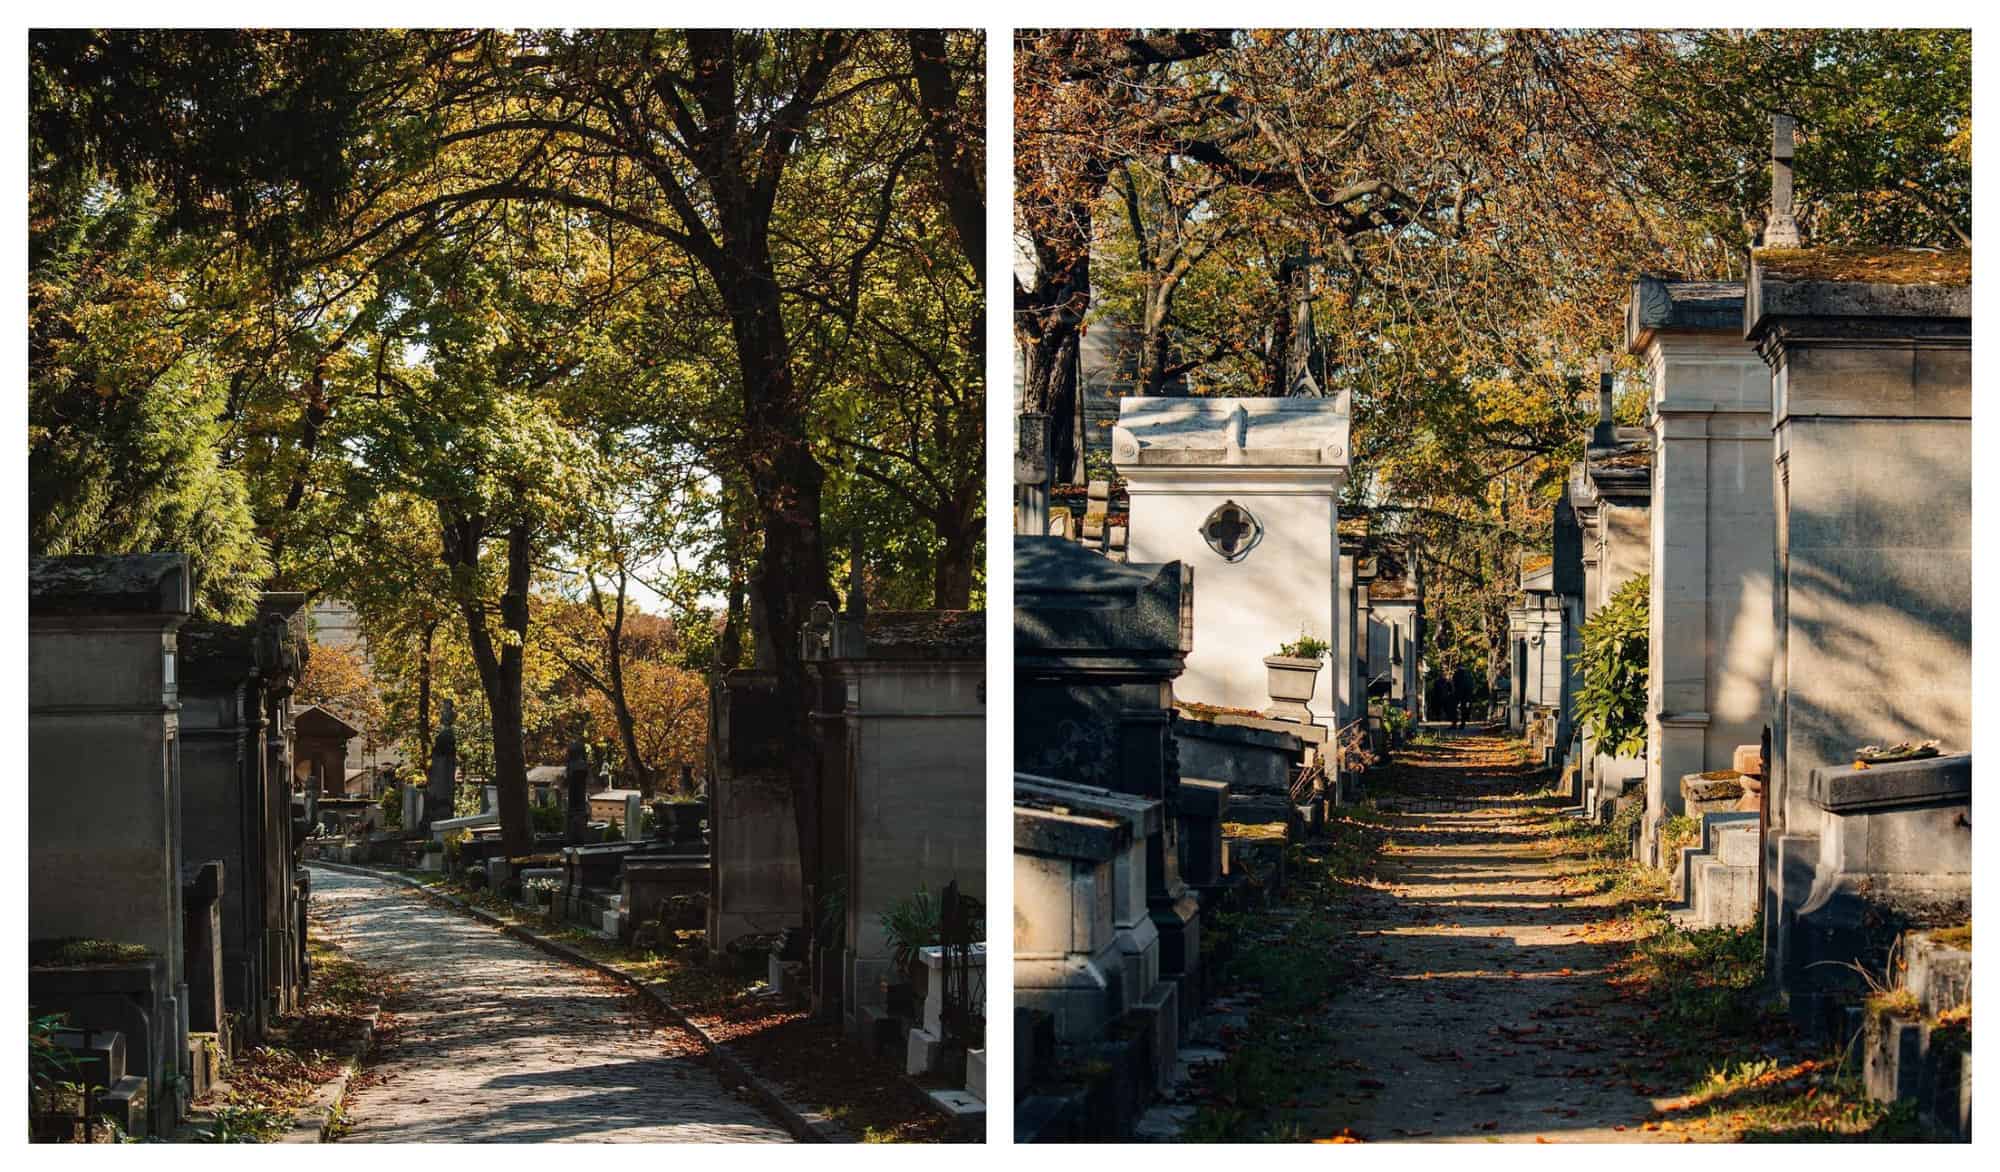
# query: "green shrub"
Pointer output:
{"type": "Point", "coordinates": [1612, 699]}
{"type": "Point", "coordinates": [910, 924]}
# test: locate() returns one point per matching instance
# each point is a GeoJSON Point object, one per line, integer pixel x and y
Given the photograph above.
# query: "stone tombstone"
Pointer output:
{"type": "Point", "coordinates": [1871, 397]}
{"type": "Point", "coordinates": [441, 783]}
{"type": "Point", "coordinates": [756, 885]}
{"type": "Point", "coordinates": [1097, 648]}
{"type": "Point", "coordinates": [1711, 523]}
{"type": "Point", "coordinates": [414, 817]}
{"type": "Point", "coordinates": [1245, 490]}
{"type": "Point", "coordinates": [201, 901]}
{"type": "Point", "coordinates": [104, 785]}
{"type": "Point", "coordinates": [1539, 641]}
{"type": "Point", "coordinates": [576, 793]}
{"type": "Point", "coordinates": [634, 819]}
{"type": "Point", "coordinates": [899, 720]}
{"type": "Point", "coordinates": [1065, 944]}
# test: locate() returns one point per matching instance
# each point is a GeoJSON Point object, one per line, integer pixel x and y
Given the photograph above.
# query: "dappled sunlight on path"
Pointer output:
{"type": "Point", "coordinates": [1482, 1012]}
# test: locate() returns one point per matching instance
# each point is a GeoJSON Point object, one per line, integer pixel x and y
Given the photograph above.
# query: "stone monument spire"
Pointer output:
{"type": "Point", "coordinates": [1305, 362]}
{"type": "Point", "coordinates": [1605, 434]}
{"type": "Point", "coordinates": [1781, 230]}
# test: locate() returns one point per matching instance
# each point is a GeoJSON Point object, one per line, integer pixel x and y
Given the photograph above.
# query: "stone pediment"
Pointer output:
{"type": "Point", "coordinates": [1233, 432]}
{"type": "Point", "coordinates": [1660, 304]}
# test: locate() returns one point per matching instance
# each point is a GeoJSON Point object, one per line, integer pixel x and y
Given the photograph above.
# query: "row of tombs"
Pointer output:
{"type": "Point", "coordinates": [1799, 499]}
{"type": "Point", "coordinates": [170, 834]}
{"type": "Point", "coordinates": [166, 895]}
{"type": "Point", "coordinates": [716, 873]}
{"type": "Point", "coordinates": [1171, 743]}
{"type": "Point", "coordinates": [1798, 504]}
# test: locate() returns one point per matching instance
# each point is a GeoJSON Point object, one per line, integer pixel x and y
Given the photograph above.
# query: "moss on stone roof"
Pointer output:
{"type": "Point", "coordinates": [1875, 266]}
{"type": "Point", "coordinates": [1538, 561]}
{"type": "Point", "coordinates": [1391, 589]}
{"type": "Point", "coordinates": [926, 634]}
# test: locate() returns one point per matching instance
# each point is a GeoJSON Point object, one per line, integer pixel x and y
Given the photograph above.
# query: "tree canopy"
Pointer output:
{"type": "Point", "coordinates": [505, 337]}
{"type": "Point", "coordinates": [1469, 208]}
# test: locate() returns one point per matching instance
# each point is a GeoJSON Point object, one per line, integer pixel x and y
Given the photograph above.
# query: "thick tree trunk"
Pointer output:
{"type": "Point", "coordinates": [499, 667]}
{"type": "Point", "coordinates": [952, 152]}
{"type": "Point", "coordinates": [786, 482]}
{"type": "Point", "coordinates": [951, 589]}
{"type": "Point", "coordinates": [424, 731]}
{"type": "Point", "coordinates": [1048, 321]}
{"type": "Point", "coordinates": [621, 709]}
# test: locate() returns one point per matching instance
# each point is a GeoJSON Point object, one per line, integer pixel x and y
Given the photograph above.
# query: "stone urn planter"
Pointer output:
{"type": "Point", "coordinates": [1291, 680]}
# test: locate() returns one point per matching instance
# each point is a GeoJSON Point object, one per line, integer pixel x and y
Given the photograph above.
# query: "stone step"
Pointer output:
{"type": "Point", "coordinates": [1938, 975]}
{"type": "Point", "coordinates": [1724, 895]}
{"type": "Point", "coordinates": [1719, 832]}
{"type": "Point", "coordinates": [1736, 844]}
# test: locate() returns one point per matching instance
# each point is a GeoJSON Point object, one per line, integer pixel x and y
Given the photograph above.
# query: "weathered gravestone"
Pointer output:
{"type": "Point", "coordinates": [899, 720]}
{"type": "Point", "coordinates": [576, 793]}
{"type": "Point", "coordinates": [441, 781]}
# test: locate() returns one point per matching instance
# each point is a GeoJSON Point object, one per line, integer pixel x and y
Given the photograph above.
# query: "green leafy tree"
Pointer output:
{"type": "Point", "coordinates": [1611, 701]}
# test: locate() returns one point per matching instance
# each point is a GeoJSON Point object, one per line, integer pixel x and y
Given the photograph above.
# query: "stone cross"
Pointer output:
{"type": "Point", "coordinates": [1303, 354]}
{"type": "Point", "coordinates": [1781, 230]}
{"type": "Point", "coordinates": [1606, 434]}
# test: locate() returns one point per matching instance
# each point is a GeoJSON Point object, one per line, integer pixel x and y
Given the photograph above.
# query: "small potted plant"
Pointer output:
{"type": "Point", "coordinates": [1291, 676]}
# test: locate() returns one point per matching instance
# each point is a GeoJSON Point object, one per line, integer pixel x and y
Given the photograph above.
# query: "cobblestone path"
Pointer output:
{"type": "Point", "coordinates": [1484, 1014]}
{"type": "Point", "coordinates": [494, 1041]}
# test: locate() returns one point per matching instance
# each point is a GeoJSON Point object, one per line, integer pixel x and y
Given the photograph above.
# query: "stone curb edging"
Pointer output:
{"type": "Point", "coordinates": [315, 1119]}
{"type": "Point", "coordinates": [805, 1125]}
{"type": "Point", "coordinates": [311, 1122]}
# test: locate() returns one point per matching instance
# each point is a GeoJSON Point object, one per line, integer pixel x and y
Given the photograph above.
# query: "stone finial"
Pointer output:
{"type": "Point", "coordinates": [1606, 432]}
{"type": "Point", "coordinates": [1781, 230]}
